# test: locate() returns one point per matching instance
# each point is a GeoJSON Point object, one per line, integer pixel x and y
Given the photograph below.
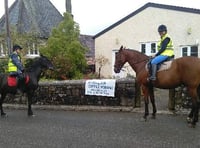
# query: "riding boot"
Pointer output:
{"type": "Point", "coordinates": [21, 83]}
{"type": "Point", "coordinates": [153, 72]}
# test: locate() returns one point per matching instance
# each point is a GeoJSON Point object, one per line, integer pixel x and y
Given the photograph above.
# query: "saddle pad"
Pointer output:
{"type": "Point", "coordinates": [164, 66]}
{"type": "Point", "coordinates": [27, 79]}
{"type": "Point", "coordinates": [12, 81]}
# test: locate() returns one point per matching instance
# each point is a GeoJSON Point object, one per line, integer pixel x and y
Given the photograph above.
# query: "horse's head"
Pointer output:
{"type": "Point", "coordinates": [120, 60]}
{"type": "Point", "coordinates": [45, 62]}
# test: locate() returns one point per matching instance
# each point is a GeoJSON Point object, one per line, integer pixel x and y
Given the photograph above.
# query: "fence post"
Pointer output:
{"type": "Point", "coordinates": [171, 101]}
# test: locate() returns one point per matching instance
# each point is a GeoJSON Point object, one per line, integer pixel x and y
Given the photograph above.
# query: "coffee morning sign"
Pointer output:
{"type": "Point", "coordinates": [103, 87]}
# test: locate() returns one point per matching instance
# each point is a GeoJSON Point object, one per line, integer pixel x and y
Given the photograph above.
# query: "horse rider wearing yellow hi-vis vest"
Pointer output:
{"type": "Point", "coordinates": [15, 67]}
{"type": "Point", "coordinates": [165, 51]}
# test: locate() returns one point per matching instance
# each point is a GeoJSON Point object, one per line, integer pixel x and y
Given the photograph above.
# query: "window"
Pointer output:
{"type": "Point", "coordinates": [190, 51]}
{"type": "Point", "coordinates": [33, 51]}
{"type": "Point", "coordinates": [2, 51]}
{"type": "Point", "coordinates": [153, 47]}
{"type": "Point", "coordinates": [194, 51]}
{"type": "Point", "coordinates": [148, 48]}
{"type": "Point", "coordinates": [143, 48]}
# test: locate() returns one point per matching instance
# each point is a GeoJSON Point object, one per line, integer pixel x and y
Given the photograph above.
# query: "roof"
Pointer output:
{"type": "Point", "coordinates": [88, 42]}
{"type": "Point", "coordinates": [38, 16]}
{"type": "Point", "coordinates": [162, 6]}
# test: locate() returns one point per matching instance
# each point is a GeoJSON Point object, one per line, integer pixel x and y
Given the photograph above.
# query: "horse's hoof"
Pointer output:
{"type": "Point", "coordinates": [32, 115]}
{"type": "Point", "coordinates": [143, 119]}
{"type": "Point", "coordinates": [4, 115]}
{"type": "Point", "coordinates": [191, 125]}
{"type": "Point", "coordinates": [189, 120]}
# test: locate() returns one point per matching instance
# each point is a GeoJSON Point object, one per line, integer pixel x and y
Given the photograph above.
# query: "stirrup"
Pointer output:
{"type": "Point", "coordinates": [152, 78]}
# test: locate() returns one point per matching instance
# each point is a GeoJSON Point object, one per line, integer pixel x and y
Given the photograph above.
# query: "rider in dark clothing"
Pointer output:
{"type": "Point", "coordinates": [15, 67]}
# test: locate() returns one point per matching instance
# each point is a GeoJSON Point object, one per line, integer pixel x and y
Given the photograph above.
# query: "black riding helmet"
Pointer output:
{"type": "Point", "coordinates": [15, 47]}
{"type": "Point", "coordinates": [162, 28]}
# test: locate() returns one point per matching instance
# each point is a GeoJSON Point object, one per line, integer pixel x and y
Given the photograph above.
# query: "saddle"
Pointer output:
{"type": "Point", "coordinates": [13, 80]}
{"type": "Point", "coordinates": [162, 66]}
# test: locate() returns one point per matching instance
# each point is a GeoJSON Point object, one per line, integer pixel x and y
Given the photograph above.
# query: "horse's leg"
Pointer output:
{"type": "Point", "coordinates": [193, 116]}
{"type": "Point", "coordinates": [3, 95]}
{"type": "Point", "coordinates": [196, 112]}
{"type": "Point", "coordinates": [30, 112]}
{"type": "Point", "coordinates": [146, 101]}
{"type": "Point", "coordinates": [195, 108]}
{"type": "Point", "coordinates": [152, 98]}
{"type": "Point", "coordinates": [190, 116]}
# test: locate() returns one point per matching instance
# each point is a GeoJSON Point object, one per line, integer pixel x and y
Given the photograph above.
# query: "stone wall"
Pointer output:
{"type": "Point", "coordinates": [72, 92]}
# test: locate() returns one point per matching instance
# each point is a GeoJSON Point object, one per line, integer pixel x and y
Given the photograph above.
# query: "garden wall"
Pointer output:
{"type": "Point", "coordinates": [72, 92]}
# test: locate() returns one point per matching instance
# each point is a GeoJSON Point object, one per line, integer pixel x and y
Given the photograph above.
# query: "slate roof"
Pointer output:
{"type": "Point", "coordinates": [162, 6]}
{"type": "Point", "coordinates": [88, 41]}
{"type": "Point", "coordinates": [38, 16]}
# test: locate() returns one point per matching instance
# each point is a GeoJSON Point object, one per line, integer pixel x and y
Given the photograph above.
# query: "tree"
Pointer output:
{"type": "Point", "coordinates": [65, 50]}
{"type": "Point", "coordinates": [102, 61]}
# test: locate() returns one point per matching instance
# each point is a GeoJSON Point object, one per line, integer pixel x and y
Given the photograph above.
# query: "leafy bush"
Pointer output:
{"type": "Point", "coordinates": [65, 50]}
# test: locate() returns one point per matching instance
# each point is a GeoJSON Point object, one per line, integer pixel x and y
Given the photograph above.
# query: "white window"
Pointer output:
{"type": "Point", "coordinates": [148, 48]}
{"type": "Point", "coordinates": [33, 52]}
{"type": "Point", "coordinates": [189, 51]}
{"type": "Point", "coordinates": [2, 52]}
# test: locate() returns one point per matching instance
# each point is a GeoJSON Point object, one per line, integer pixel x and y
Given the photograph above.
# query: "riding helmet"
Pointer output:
{"type": "Point", "coordinates": [15, 47]}
{"type": "Point", "coordinates": [162, 28]}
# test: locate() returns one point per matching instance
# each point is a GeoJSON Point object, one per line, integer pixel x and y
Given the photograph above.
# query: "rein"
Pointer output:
{"type": "Point", "coordinates": [141, 61]}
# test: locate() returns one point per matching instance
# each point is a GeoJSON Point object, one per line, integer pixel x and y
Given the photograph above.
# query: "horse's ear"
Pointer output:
{"type": "Point", "coordinates": [121, 48]}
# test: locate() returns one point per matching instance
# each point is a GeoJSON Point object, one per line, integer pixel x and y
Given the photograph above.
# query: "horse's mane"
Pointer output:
{"type": "Point", "coordinates": [137, 53]}
{"type": "Point", "coordinates": [31, 64]}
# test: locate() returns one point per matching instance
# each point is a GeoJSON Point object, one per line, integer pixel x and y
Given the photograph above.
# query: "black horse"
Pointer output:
{"type": "Point", "coordinates": [32, 74]}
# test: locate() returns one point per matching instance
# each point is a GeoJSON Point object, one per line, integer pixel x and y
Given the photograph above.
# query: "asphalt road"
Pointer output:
{"type": "Point", "coordinates": [86, 129]}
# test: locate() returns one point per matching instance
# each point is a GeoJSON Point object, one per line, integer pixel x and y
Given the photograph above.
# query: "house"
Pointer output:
{"type": "Point", "coordinates": [138, 31]}
{"type": "Point", "coordinates": [39, 17]}
{"type": "Point", "coordinates": [31, 16]}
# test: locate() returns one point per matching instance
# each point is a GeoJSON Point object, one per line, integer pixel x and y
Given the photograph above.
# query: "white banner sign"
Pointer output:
{"type": "Point", "coordinates": [103, 87]}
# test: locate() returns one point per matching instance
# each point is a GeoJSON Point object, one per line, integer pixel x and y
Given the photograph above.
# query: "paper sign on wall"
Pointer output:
{"type": "Point", "coordinates": [103, 87]}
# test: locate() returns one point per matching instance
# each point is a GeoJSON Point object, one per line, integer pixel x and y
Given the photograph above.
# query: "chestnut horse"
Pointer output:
{"type": "Point", "coordinates": [184, 70]}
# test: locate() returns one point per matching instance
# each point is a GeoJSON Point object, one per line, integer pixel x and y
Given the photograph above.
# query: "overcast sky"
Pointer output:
{"type": "Point", "coordinates": [95, 15]}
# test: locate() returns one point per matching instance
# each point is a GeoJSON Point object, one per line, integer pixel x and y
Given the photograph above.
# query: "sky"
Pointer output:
{"type": "Point", "coordinates": [93, 16]}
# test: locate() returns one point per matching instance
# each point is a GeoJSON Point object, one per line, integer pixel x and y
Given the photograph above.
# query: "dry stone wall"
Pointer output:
{"type": "Point", "coordinates": [72, 92]}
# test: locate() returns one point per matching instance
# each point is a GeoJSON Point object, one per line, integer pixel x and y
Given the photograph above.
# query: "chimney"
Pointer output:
{"type": "Point", "coordinates": [68, 6]}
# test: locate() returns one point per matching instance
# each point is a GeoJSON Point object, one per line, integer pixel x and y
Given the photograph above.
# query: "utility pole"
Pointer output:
{"type": "Point", "coordinates": [7, 27]}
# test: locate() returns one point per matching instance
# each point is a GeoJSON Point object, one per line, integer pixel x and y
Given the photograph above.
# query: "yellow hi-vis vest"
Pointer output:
{"type": "Point", "coordinates": [12, 67]}
{"type": "Point", "coordinates": [169, 51]}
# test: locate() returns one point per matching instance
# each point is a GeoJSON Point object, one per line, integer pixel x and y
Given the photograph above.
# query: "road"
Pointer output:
{"type": "Point", "coordinates": [87, 129]}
